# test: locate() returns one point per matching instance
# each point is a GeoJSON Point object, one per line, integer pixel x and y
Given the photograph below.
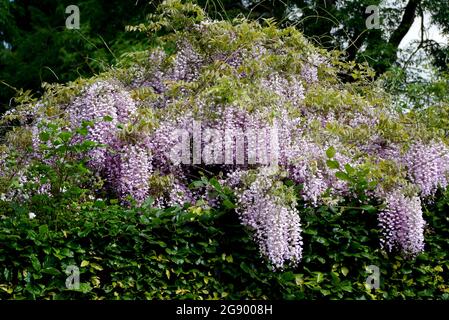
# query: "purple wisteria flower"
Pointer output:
{"type": "Point", "coordinates": [402, 224]}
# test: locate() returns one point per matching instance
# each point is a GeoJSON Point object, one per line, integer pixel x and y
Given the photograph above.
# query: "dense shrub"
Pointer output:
{"type": "Point", "coordinates": [178, 253]}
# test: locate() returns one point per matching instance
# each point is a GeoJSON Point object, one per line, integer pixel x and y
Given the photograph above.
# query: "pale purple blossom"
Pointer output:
{"type": "Point", "coordinates": [402, 224]}
{"type": "Point", "coordinates": [428, 166]}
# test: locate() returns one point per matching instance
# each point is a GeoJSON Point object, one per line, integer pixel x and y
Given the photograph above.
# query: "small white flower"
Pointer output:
{"type": "Point", "coordinates": [32, 215]}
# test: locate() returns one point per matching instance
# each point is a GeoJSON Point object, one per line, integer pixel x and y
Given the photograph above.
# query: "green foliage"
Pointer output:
{"type": "Point", "coordinates": [193, 253]}
{"type": "Point", "coordinates": [172, 15]}
{"type": "Point", "coordinates": [50, 184]}
{"type": "Point", "coordinates": [342, 25]}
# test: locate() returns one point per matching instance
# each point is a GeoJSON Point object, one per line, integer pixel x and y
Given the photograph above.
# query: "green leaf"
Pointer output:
{"type": "Point", "coordinates": [85, 287]}
{"type": "Point", "coordinates": [299, 279]}
{"type": "Point", "coordinates": [52, 271]}
{"type": "Point", "coordinates": [43, 229]}
{"type": "Point", "coordinates": [87, 123]}
{"type": "Point", "coordinates": [344, 271]}
{"type": "Point", "coordinates": [228, 204]}
{"type": "Point", "coordinates": [84, 263]}
{"type": "Point", "coordinates": [214, 183]}
{"type": "Point", "coordinates": [83, 131]}
{"type": "Point", "coordinates": [319, 277]}
{"type": "Point", "coordinates": [198, 184]}
{"type": "Point", "coordinates": [96, 266]}
{"type": "Point", "coordinates": [342, 176]}
{"type": "Point", "coordinates": [369, 208]}
{"type": "Point", "coordinates": [35, 263]}
{"type": "Point", "coordinates": [7, 289]}
{"type": "Point", "coordinates": [333, 164]}
{"type": "Point", "coordinates": [44, 136]}
{"type": "Point", "coordinates": [67, 252]}
{"type": "Point", "coordinates": [350, 170]}
{"type": "Point", "coordinates": [330, 152]}
{"type": "Point", "coordinates": [346, 286]}
{"type": "Point", "coordinates": [65, 136]}
{"type": "Point", "coordinates": [325, 292]}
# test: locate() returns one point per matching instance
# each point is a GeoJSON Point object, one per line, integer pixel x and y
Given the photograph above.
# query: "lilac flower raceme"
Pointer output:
{"type": "Point", "coordinates": [288, 91]}
{"type": "Point", "coordinates": [309, 71]}
{"type": "Point", "coordinates": [276, 223]}
{"type": "Point", "coordinates": [134, 172]}
{"type": "Point", "coordinates": [428, 166]}
{"type": "Point", "coordinates": [402, 224]}
{"type": "Point", "coordinates": [127, 166]}
{"type": "Point", "coordinates": [108, 106]}
{"type": "Point", "coordinates": [187, 63]}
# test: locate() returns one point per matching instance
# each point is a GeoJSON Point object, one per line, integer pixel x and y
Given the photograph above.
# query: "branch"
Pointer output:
{"type": "Point", "coordinates": [421, 43]}
{"type": "Point", "coordinates": [407, 21]}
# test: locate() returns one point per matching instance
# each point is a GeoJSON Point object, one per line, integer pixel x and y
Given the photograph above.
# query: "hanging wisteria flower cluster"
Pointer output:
{"type": "Point", "coordinates": [276, 221]}
{"type": "Point", "coordinates": [403, 224]}
{"type": "Point", "coordinates": [257, 106]}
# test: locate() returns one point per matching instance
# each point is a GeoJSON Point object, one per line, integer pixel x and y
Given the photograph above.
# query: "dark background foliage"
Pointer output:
{"type": "Point", "coordinates": [36, 47]}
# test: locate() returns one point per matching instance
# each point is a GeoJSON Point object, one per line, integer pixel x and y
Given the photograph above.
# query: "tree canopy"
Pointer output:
{"type": "Point", "coordinates": [342, 24]}
{"type": "Point", "coordinates": [37, 47]}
